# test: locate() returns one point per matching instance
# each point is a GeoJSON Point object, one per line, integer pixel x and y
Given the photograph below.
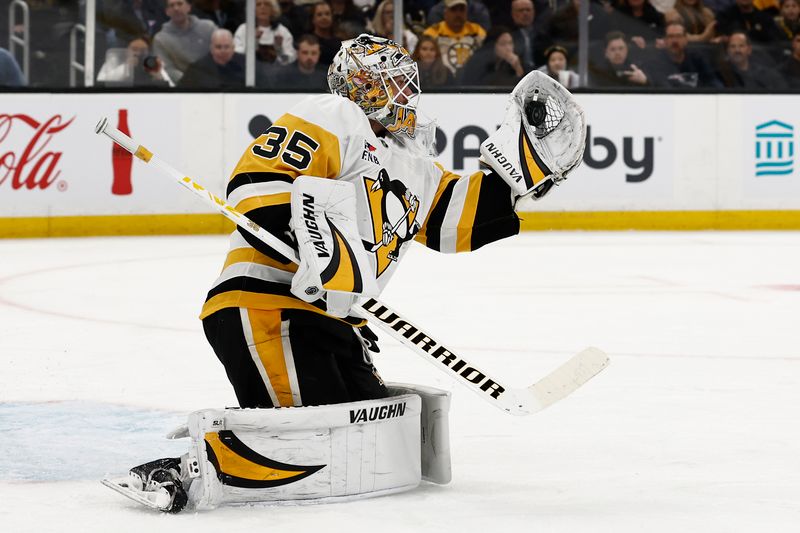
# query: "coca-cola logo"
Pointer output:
{"type": "Point", "coordinates": [28, 163]}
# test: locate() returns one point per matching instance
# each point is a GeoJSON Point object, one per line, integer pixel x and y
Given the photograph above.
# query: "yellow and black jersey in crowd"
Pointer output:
{"type": "Point", "coordinates": [456, 47]}
{"type": "Point", "coordinates": [400, 197]}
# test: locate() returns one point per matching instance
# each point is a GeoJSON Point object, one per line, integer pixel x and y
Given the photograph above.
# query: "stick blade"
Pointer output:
{"type": "Point", "coordinates": [567, 378]}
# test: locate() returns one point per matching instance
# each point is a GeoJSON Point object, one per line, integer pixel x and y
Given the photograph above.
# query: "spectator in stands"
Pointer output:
{"type": "Point", "coordinates": [616, 70]}
{"type": "Point", "coordinates": [740, 71]}
{"type": "Point", "coordinates": [639, 20]}
{"type": "Point", "coordinates": [527, 42]}
{"type": "Point", "coordinates": [323, 27]}
{"type": "Point", "coordinates": [563, 28]}
{"type": "Point", "coordinates": [294, 17]}
{"type": "Point", "coordinates": [50, 24]}
{"type": "Point", "coordinates": [382, 24]}
{"type": "Point", "coordinates": [274, 42]}
{"type": "Point", "coordinates": [183, 40]}
{"type": "Point", "coordinates": [788, 22]}
{"type": "Point", "coordinates": [220, 68]}
{"type": "Point", "coordinates": [677, 65]}
{"type": "Point", "coordinates": [718, 6]}
{"type": "Point", "coordinates": [744, 17]}
{"type": "Point", "coordinates": [137, 68]}
{"type": "Point", "coordinates": [791, 67]}
{"type": "Point", "coordinates": [306, 73]}
{"type": "Point", "coordinates": [131, 19]}
{"type": "Point", "coordinates": [476, 13]}
{"type": "Point", "coordinates": [10, 73]}
{"type": "Point", "coordinates": [432, 71]}
{"type": "Point", "coordinates": [456, 37]}
{"type": "Point", "coordinates": [500, 13]}
{"type": "Point", "coordinates": [556, 61]}
{"type": "Point", "coordinates": [228, 14]}
{"type": "Point", "coordinates": [349, 20]}
{"type": "Point", "coordinates": [495, 62]}
{"type": "Point", "coordinates": [698, 20]}
{"type": "Point", "coordinates": [773, 7]}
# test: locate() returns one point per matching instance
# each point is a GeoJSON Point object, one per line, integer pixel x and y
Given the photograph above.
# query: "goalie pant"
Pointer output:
{"type": "Point", "coordinates": [289, 357]}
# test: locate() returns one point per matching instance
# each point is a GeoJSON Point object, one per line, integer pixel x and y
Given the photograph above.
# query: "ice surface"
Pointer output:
{"type": "Point", "coordinates": [693, 427]}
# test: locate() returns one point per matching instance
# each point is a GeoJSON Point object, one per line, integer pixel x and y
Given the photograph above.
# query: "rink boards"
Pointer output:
{"type": "Point", "coordinates": [652, 161]}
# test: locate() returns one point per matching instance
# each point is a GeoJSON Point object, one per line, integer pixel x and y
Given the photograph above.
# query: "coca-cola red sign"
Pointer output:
{"type": "Point", "coordinates": [28, 162]}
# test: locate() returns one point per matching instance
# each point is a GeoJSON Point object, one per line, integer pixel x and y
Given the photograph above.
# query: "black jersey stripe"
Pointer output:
{"type": "Point", "coordinates": [495, 217]}
{"type": "Point", "coordinates": [248, 284]}
{"type": "Point", "coordinates": [274, 219]}
{"type": "Point", "coordinates": [246, 178]}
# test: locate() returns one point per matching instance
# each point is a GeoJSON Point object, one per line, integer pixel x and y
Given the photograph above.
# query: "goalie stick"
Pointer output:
{"type": "Point", "coordinates": [517, 401]}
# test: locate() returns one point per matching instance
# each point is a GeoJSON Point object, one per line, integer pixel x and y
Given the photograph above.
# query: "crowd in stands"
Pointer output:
{"type": "Point", "coordinates": [717, 44]}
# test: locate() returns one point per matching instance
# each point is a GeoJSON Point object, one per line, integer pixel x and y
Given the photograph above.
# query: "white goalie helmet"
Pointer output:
{"type": "Point", "coordinates": [380, 76]}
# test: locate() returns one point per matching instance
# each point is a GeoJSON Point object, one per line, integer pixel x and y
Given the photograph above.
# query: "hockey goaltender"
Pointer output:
{"type": "Point", "coordinates": [346, 181]}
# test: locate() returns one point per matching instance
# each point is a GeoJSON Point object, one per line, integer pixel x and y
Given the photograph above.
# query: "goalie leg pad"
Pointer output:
{"type": "Point", "coordinates": [342, 451]}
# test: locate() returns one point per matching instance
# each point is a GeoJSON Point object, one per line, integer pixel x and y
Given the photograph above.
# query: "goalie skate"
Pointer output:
{"type": "Point", "coordinates": [156, 485]}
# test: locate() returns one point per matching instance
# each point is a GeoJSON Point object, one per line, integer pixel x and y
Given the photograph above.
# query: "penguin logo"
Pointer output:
{"type": "Point", "coordinates": [394, 211]}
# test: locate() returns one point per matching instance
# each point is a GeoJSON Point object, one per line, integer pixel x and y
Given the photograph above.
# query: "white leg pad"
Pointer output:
{"type": "Point", "coordinates": [341, 451]}
{"type": "Point", "coordinates": [434, 431]}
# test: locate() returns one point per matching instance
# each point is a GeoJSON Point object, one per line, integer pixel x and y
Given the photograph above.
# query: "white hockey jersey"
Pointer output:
{"type": "Point", "coordinates": [401, 197]}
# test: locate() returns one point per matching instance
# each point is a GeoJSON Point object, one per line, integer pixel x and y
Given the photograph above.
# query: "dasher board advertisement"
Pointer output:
{"type": "Point", "coordinates": [52, 163]}
{"type": "Point", "coordinates": [770, 135]}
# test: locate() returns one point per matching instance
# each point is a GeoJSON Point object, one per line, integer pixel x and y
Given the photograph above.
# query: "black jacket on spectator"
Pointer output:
{"type": "Point", "coordinates": [529, 46]}
{"type": "Point", "coordinates": [483, 68]}
{"type": "Point", "coordinates": [758, 25]}
{"type": "Point", "coordinates": [127, 23]}
{"type": "Point", "coordinates": [296, 20]}
{"type": "Point", "coordinates": [290, 77]}
{"type": "Point", "coordinates": [790, 71]}
{"type": "Point", "coordinates": [230, 15]}
{"type": "Point", "coordinates": [205, 73]}
{"type": "Point", "coordinates": [328, 47]}
{"type": "Point", "coordinates": [604, 74]}
{"type": "Point", "coordinates": [755, 77]}
{"type": "Point", "coordinates": [563, 28]}
{"type": "Point", "coordinates": [650, 25]}
{"type": "Point", "coordinates": [693, 71]}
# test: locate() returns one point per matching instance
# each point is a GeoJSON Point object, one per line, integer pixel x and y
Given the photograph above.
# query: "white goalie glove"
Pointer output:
{"type": "Point", "coordinates": [333, 261]}
{"type": "Point", "coordinates": [541, 139]}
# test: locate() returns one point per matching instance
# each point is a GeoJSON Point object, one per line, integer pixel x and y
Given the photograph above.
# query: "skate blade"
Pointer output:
{"type": "Point", "coordinates": [154, 500]}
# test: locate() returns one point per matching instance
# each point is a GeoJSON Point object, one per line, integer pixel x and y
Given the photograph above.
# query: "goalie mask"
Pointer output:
{"type": "Point", "coordinates": [380, 76]}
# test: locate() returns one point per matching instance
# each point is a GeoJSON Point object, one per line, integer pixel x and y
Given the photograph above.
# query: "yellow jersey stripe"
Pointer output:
{"type": "Point", "coordinates": [464, 234]}
{"type": "Point", "coordinates": [249, 204]}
